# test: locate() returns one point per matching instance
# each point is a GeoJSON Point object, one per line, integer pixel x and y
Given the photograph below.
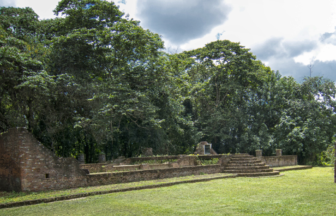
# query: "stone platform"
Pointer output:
{"type": "Point", "coordinates": [248, 166]}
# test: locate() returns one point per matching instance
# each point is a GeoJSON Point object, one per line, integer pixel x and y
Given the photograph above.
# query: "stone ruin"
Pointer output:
{"type": "Point", "coordinates": [27, 165]}
{"type": "Point", "coordinates": [147, 151]}
{"type": "Point", "coordinates": [204, 148]}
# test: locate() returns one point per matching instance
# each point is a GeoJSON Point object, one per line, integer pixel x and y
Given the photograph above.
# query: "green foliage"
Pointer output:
{"type": "Point", "coordinates": [209, 162]}
{"type": "Point", "coordinates": [93, 80]}
{"type": "Point", "coordinates": [307, 126]}
{"type": "Point", "coordinates": [327, 158]}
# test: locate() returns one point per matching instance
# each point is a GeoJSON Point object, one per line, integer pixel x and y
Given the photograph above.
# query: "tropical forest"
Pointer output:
{"type": "Point", "coordinates": [93, 80]}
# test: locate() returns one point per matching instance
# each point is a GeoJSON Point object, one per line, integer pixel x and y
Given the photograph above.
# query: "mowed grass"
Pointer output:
{"type": "Point", "coordinates": [301, 192]}
{"type": "Point", "coordinates": [10, 197]}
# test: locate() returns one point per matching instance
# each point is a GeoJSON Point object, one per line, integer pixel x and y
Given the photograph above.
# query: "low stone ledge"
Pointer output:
{"type": "Point", "coordinates": [208, 157]}
{"type": "Point", "coordinates": [141, 159]}
{"type": "Point", "coordinates": [279, 161]}
{"type": "Point", "coordinates": [96, 179]}
{"type": "Point", "coordinates": [292, 168]}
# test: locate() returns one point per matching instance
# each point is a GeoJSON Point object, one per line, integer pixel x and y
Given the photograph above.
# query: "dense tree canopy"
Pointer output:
{"type": "Point", "coordinates": [92, 80]}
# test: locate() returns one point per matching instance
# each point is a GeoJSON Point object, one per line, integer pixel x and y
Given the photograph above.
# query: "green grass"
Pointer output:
{"type": "Point", "coordinates": [6, 197]}
{"type": "Point", "coordinates": [301, 192]}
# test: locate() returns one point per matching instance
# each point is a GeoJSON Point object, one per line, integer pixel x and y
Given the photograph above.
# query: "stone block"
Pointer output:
{"type": "Point", "coordinates": [81, 158]}
{"type": "Point", "coordinates": [102, 158]}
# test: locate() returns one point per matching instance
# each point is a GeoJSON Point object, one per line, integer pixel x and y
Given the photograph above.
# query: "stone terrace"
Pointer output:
{"type": "Point", "coordinates": [26, 165]}
{"type": "Point", "coordinates": [248, 166]}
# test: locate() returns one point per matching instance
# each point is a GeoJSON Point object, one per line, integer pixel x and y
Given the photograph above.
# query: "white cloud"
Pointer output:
{"type": "Point", "coordinates": [253, 23]}
{"type": "Point", "coordinates": [327, 52]}
{"type": "Point", "coordinates": [42, 8]}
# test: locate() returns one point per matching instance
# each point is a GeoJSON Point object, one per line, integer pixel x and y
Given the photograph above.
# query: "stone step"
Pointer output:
{"type": "Point", "coordinates": [258, 174]}
{"type": "Point", "coordinates": [246, 164]}
{"type": "Point", "coordinates": [241, 155]}
{"type": "Point", "coordinates": [229, 167]}
{"type": "Point", "coordinates": [247, 170]}
{"type": "Point", "coordinates": [244, 159]}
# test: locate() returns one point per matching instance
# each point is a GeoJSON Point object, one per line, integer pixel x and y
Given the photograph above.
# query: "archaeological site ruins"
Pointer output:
{"type": "Point", "coordinates": [27, 165]}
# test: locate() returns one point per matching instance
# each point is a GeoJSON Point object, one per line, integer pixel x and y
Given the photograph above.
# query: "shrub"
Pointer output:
{"type": "Point", "coordinates": [209, 162]}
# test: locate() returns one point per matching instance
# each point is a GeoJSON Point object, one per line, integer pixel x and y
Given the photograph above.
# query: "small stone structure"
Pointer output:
{"type": "Point", "coordinates": [278, 152]}
{"type": "Point", "coordinates": [204, 148]}
{"type": "Point", "coordinates": [81, 158]}
{"type": "Point", "coordinates": [258, 153]}
{"type": "Point", "coordinates": [102, 158]}
{"type": "Point", "coordinates": [26, 165]}
{"type": "Point", "coordinates": [147, 151]}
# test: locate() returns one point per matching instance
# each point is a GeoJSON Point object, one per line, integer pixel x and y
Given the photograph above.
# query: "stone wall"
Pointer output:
{"type": "Point", "coordinates": [103, 167]}
{"type": "Point", "coordinates": [147, 151]}
{"type": "Point", "coordinates": [187, 161]}
{"type": "Point", "coordinates": [10, 171]}
{"type": "Point", "coordinates": [278, 161]}
{"type": "Point", "coordinates": [34, 167]}
{"type": "Point", "coordinates": [144, 159]}
{"type": "Point", "coordinates": [26, 165]}
{"type": "Point", "coordinates": [143, 175]}
{"type": "Point", "coordinates": [94, 167]}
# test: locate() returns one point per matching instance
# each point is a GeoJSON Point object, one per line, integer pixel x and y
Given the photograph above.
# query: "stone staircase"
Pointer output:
{"type": "Point", "coordinates": [248, 166]}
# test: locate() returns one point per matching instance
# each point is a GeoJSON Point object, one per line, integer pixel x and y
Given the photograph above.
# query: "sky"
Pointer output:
{"type": "Point", "coordinates": [287, 35]}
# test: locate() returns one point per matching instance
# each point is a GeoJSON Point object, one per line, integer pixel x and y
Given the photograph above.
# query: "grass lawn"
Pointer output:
{"type": "Point", "coordinates": [9, 197]}
{"type": "Point", "coordinates": [301, 192]}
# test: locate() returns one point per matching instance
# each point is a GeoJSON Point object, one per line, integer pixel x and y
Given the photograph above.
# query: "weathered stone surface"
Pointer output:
{"type": "Point", "coordinates": [187, 161]}
{"type": "Point", "coordinates": [26, 165]}
{"type": "Point", "coordinates": [201, 146]}
{"type": "Point", "coordinates": [10, 161]}
{"type": "Point", "coordinates": [258, 153]}
{"type": "Point", "coordinates": [278, 152]}
{"type": "Point", "coordinates": [278, 161]}
{"type": "Point", "coordinates": [144, 167]}
{"type": "Point", "coordinates": [29, 166]}
{"type": "Point", "coordinates": [142, 175]}
{"type": "Point", "coordinates": [94, 167]}
{"type": "Point", "coordinates": [140, 160]}
{"type": "Point", "coordinates": [224, 160]}
{"type": "Point", "coordinates": [102, 158]}
{"type": "Point", "coordinates": [147, 151]}
{"type": "Point", "coordinates": [174, 165]}
{"type": "Point", "coordinates": [81, 158]}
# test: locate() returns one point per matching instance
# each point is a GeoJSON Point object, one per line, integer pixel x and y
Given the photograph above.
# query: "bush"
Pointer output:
{"type": "Point", "coordinates": [330, 155]}
{"type": "Point", "coordinates": [209, 162]}
{"type": "Point", "coordinates": [325, 158]}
